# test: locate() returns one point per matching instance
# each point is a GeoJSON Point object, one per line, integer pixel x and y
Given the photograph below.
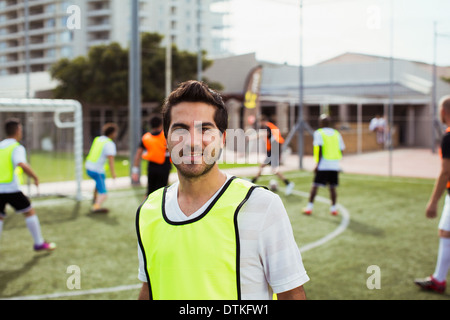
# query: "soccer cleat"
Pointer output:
{"type": "Point", "coordinates": [46, 246]}
{"type": "Point", "coordinates": [289, 188]}
{"type": "Point", "coordinates": [334, 213]}
{"type": "Point", "coordinates": [97, 209]}
{"type": "Point", "coordinates": [100, 210]}
{"type": "Point", "coordinates": [307, 211]}
{"type": "Point", "coordinates": [431, 284]}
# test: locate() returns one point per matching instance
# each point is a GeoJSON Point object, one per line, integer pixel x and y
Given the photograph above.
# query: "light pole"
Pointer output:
{"type": "Point", "coordinates": [300, 119]}
{"type": "Point", "coordinates": [199, 42]}
{"type": "Point", "coordinates": [134, 107]}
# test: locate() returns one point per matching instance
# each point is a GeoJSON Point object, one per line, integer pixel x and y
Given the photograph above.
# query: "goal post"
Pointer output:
{"type": "Point", "coordinates": [58, 107]}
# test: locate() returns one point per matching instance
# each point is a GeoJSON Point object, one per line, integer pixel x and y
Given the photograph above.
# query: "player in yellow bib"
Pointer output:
{"type": "Point", "coordinates": [328, 147]}
{"type": "Point", "coordinates": [13, 156]}
{"type": "Point", "coordinates": [211, 236]}
{"type": "Point", "coordinates": [102, 153]}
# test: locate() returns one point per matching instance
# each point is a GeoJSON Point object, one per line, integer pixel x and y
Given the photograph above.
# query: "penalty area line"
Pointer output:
{"type": "Point", "coordinates": [345, 221]}
{"type": "Point", "coordinates": [77, 293]}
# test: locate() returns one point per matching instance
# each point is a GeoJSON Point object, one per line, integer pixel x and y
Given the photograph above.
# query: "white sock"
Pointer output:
{"type": "Point", "coordinates": [443, 260]}
{"type": "Point", "coordinates": [310, 206]}
{"type": "Point", "coordinates": [333, 208]}
{"type": "Point", "coordinates": [1, 228]}
{"type": "Point", "coordinates": [35, 229]}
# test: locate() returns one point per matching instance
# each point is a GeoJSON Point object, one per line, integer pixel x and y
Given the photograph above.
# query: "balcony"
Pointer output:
{"type": "Point", "coordinates": [106, 12]}
{"type": "Point", "coordinates": [99, 27]}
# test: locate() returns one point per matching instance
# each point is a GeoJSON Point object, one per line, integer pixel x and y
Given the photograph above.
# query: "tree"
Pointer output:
{"type": "Point", "coordinates": [102, 76]}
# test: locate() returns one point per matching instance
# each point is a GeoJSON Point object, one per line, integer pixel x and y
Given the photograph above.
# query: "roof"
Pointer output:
{"type": "Point", "coordinates": [232, 72]}
{"type": "Point", "coordinates": [353, 76]}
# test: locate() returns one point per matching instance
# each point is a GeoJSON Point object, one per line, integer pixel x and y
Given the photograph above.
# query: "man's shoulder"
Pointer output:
{"type": "Point", "coordinates": [8, 142]}
{"type": "Point", "coordinates": [263, 198]}
{"type": "Point", "coordinates": [445, 146]}
{"type": "Point", "coordinates": [446, 138]}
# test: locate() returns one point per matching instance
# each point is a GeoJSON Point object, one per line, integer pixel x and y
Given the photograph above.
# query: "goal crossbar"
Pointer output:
{"type": "Point", "coordinates": [58, 107]}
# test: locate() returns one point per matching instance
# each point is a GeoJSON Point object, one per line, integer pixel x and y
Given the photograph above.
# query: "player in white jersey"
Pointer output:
{"type": "Point", "coordinates": [250, 243]}
{"type": "Point", "coordinates": [13, 155]}
{"type": "Point", "coordinates": [437, 281]}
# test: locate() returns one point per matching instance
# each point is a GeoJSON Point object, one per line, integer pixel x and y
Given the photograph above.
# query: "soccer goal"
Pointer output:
{"type": "Point", "coordinates": [53, 129]}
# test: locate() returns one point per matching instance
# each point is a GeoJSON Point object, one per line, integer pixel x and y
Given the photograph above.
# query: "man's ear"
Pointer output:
{"type": "Point", "coordinates": [224, 138]}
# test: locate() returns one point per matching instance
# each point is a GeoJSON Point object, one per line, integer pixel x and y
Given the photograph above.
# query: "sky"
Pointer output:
{"type": "Point", "coordinates": [271, 29]}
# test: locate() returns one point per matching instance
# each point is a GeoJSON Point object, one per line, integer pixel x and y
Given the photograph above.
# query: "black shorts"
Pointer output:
{"type": "Point", "coordinates": [274, 156]}
{"type": "Point", "coordinates": [158, 175]}
{"type": "Point", "coordinates": [17, 200]}
{"type": "Point", "coordinates": [322, 178]}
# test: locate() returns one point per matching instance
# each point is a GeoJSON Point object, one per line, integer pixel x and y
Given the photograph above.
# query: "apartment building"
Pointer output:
{"type": "Point", "coordinates": [68, 28]}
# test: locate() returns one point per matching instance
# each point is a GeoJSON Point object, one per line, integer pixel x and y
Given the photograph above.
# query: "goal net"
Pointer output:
{"type": "Point", "coordinates": [53, 137]}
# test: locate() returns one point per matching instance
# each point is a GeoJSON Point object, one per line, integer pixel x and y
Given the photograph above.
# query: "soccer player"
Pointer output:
{"type": "Point", "coordinates": [437, 281]}
{"type": "Point", "coordinates": [12, 155]}
{"type": "Point", "coordinates": [103, 149]}
{"type": "Point", "coordinates": [153, 149]}
{"type": "Point", "coordinates": [273, 143]}
{"type": "Point", "coordinates": [328, 147]}
{"type": "Point", "coordinates": [210, 235]}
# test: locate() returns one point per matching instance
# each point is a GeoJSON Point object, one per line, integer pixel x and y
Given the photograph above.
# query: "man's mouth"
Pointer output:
{"type": "Point", "coordinates": [193, 158]}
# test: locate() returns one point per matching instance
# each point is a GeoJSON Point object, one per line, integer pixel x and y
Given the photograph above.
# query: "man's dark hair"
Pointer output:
{"type": "Point", "coordinates": [11, 127]}
{"type": "Point", "coordinates": [109, 129]}
{"type": "Point", "coordinates": [155, 122]}
{"type": "Point", "coordinates": [196, 91]}
{"type": "Point", "coordinates": [324, 120]}
{"type": "Point", "coordinates": [445, 103]}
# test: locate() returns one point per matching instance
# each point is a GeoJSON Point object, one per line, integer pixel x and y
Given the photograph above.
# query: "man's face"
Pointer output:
{"type": "Point", "coordinates": [194, 141]}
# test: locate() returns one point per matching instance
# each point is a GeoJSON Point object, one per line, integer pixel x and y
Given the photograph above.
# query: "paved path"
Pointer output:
{"type": "Point", "coordinates": [414, 163]}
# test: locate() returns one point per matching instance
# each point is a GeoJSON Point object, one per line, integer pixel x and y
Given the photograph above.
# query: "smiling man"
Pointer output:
{"type": "Point", "coordinates": [211, 236]}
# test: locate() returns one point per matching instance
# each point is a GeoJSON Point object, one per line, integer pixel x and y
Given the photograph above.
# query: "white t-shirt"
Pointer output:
{"type": "Point", "coordinates": [376, 123]}
{"type": "Point", "coordinates": [108, 150]}
{"type": "Point", "coordinates": [19, 156]}
{"type": "Point", "coordinates": [270, 260]}
{"type": "Point", "coordinates": [324, 164]}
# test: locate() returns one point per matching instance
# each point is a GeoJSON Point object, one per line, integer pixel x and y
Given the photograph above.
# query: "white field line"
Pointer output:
{"type": "Point", "coordinates": [77, 293]}
{"type": "Point", "coordinates": [341, 228]}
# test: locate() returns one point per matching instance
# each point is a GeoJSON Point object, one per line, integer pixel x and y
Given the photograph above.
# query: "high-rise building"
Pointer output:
{"type": "Point", "coordinates": [68, 28]}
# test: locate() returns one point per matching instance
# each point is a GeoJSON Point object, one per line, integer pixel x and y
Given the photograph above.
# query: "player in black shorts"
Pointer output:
{"type": "Point", "coordinates": [12, 155]}
{"type": "Point", "coordinates": [328, 147]}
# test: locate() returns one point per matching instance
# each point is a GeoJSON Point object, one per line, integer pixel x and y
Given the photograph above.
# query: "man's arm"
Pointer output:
{"type": "Point", "coordinates": [294, 294]}
{"type": "Point", "coordinates": [320, 158]}
{"type": "Point", "coordinates": [144, 294]}
{"type": "Point", "coordinates": [439, 188]}
{"type": "Point", "coordinates": [29, 172]}
{"type": "Point", "coordinates": [111, 166]}
{"type": "Point", "coordinates": [136, 163]}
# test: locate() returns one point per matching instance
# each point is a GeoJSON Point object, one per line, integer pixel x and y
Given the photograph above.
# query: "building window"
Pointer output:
{"type": "Point", "coordinates": [66, 36]}
{"type": "Point", "coordinates": [50, 23]}
{"type": "Point", "coordinates": [67, 52]}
